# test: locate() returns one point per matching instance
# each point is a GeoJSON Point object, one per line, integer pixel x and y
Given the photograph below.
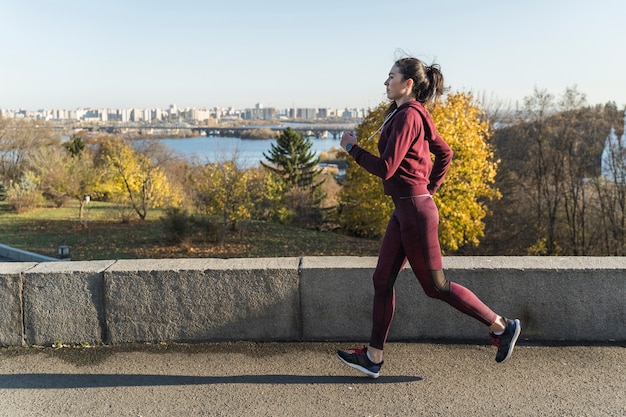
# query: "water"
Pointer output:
{"type": "Point", "coordinates": [249, 152]}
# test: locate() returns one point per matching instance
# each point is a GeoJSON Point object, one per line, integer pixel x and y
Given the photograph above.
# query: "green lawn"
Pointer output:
{"type": "Point", "coordinates": [106, 237]}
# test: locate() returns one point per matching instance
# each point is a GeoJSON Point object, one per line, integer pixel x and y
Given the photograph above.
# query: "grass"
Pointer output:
{"type": "Point", "coordinates": [106, 237]}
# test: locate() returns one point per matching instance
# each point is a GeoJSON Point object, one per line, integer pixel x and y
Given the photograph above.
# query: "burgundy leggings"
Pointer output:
{"type": "Point", "coordinates": [412, 234]}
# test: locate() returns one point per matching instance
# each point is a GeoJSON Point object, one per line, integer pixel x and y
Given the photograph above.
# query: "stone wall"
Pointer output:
{"type": "Point", "coordinates": [574, 299]}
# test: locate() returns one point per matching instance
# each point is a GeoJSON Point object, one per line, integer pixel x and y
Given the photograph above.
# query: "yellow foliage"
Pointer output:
{"type": "Point", "coordinates": [134, 179]}
{"type": "Point", "coordinates": [364, 210]}
{"type": "Point", "coordinates": [470, 180]}
{"type": "Point", "coordinates": [222, 190]}
{"type": "Point", "coordinates": [363, 207]}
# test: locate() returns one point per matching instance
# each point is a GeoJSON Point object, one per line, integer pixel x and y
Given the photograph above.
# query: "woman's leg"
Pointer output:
{"type": "Point", "coordinates": [420, 223]}
{"type": "Point", "coordinates": [391, 260]}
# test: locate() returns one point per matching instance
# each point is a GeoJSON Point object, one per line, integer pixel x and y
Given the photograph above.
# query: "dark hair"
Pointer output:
{"type": "Point", "coordinates": [427, 80]}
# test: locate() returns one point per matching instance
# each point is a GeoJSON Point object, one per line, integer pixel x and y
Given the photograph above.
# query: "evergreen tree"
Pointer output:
{"type": "Point", "coordinates": [75, 146]}
{"type": "Point", "coordinates": [292, 159]}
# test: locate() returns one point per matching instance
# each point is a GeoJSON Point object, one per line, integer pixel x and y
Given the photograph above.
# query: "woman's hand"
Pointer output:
{"type": "Point", "coordinates": [347, 137]}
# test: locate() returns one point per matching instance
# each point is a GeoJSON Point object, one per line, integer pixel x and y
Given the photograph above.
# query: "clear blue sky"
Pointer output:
{"type": "Point", "coordinates": [318, 53]}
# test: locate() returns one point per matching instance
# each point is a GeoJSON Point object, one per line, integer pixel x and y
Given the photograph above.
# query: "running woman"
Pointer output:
{"type": "Point", "coordinates": [408, 137]}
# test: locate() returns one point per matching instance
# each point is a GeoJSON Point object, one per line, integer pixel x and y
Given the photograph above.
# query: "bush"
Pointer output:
{"type": "Point", "coordinates": [183, 228]}
{"type": "Point", "coordinates": [177, 224]}
{"type": "Point", "coordinates": [305, 210]}
{"type": "Point", "coordinates": [22, 201]}
{"type": "Point", "coordinates": [208, 228]}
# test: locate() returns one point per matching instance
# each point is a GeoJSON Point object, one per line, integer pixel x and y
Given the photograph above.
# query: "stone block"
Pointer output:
{"type": "Point", "coordinates": [337, 295]}
{"type": "Point", "coordinates": [64, 301]}
{"type": "Point", "coordinates": [558, 298]}
{"type": "Point", "coordinates": [11, 325]}
{"type": "Point", "coordinates": [187, 300]}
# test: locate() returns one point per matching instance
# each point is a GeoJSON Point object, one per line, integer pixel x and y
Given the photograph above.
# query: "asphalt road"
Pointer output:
{"type": "Point", "coordinates": [306, 379]}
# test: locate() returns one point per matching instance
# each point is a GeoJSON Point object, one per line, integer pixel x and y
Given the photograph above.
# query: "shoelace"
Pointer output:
{"type": "Point", "coordinates": [495, 340]}
{"type": "Point", "coordinates": [359, 350]}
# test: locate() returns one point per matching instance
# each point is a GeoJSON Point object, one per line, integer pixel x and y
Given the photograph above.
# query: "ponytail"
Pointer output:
{"type": "Point", "coordinates": [435, 80]}
{"type": "Point", "coordinates": [428, 83]}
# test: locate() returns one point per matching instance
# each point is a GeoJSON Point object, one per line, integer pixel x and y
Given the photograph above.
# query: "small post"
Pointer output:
{"type": "Point", "coordinates": [63, 252]}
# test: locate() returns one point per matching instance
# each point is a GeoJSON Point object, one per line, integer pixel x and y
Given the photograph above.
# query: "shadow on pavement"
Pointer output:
{"type": "Point", "coordinates": [65, 381]}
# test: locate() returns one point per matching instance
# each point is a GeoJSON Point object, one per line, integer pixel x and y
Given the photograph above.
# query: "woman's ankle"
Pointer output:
{"type": "Point", "coordinates": [498, 326]}
{"type": "Point", "coordinates": [374, 354]}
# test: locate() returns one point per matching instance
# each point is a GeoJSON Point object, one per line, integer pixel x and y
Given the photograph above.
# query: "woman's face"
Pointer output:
{"type": "Point", "coordinates": [397, 86]}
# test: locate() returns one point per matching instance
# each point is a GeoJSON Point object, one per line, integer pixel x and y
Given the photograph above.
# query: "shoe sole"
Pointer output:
{"type": "Point", "coordinates": [360, 368]}
{"type": "Point", "coordinates": [518, 330]}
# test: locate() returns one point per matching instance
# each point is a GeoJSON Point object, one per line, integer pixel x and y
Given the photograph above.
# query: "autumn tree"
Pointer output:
{"type": "Point", "coordinates": [133, 179]}
{"type": "Point", "coordinates": [66, 172]}
{"type": "Point", "coordinates": [20, 142]}
{"type": "Point", "coordinates": [221, 189]}
{"type": "Point", "coordinates": [19, 139]}
{"type": "Point", "coordinates": [83, 176]}
{"type": "Point", "coordinates": [364, 210]}
{"type": "Point", "coordinates": [469, 184]}
{"type": "Point", "coordinates": [611, 191]}
{"type": "Point", "coordinates": [267, 196]}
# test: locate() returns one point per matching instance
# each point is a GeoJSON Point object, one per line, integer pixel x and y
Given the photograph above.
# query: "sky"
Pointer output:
{"type": "Point", "coordinates": [68, 54]}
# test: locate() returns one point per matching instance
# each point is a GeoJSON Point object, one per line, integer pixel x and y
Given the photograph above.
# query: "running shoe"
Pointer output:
{"type": "Point", "coordinates": [359, 361]}
{"type": "Point", "coordinates": [506, 341]}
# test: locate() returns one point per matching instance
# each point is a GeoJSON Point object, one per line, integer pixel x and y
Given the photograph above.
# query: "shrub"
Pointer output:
{"type": "Point", "coordinates": [23, 201]}
{"type": "Point", "coordinates": [177, 224]}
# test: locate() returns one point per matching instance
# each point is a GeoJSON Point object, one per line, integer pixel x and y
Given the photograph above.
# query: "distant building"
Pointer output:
{"type": "Point", "coordinates": [173, 114]}
{"type": "Point", "coordinates": [259, 113]}
{"type": "Point", "coordinates": [613, 165]}
{"type": "Point", "coordinates": [200, 115]}
{"type": "Point", "coordinates": [306, 113]}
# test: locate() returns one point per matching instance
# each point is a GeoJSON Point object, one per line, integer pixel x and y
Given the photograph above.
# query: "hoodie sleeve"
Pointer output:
{"type": "Point", "coordinates": [443, 157]}
{"type": "Point", "coordinates": [404, 130]}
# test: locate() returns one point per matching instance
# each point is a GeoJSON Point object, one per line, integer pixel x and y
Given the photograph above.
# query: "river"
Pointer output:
{"type": "Point", "coordinates": [249, 152]}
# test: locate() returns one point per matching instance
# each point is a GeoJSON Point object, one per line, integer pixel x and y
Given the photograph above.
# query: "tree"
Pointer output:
{"type": "Point", "coordinates": [292, 159]}
{"type": "Point", "coordinates": [572, 132]}
{"type": "Point", "coordinates": [75, 146]}
{"type": "Point", "coordinates": [364, 210]}
{"type": "Point", "coordinates": [267, 196]}
{"type": "Point", "coordinates": [133, 179]}
{"type": "Point", "coordinates": [554, 200]}
{"type": "Point", "coordinates": [221, 189]}
{"type": "Point", "coordinates": [469, 183]}
{"type": "Point", "coordinates": [611, 190]}
{"type": "Point", "coordinates": [19, 139]}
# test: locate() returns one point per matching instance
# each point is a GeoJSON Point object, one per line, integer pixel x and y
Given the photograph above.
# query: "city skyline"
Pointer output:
{"type": "Point", "coordinates": [149, 54]}
{"type": "Point", "coordinates": [172, 112]}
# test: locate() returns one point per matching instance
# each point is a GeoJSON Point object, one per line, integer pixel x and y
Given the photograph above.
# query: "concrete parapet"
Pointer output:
{"type": "Point", "coordinates": [11, 324]}
{"type": "Point", "coordinates": [294, 299]}
{"type": "Point", "coordinates": [64, 301]}
{"type": "Point", "coordinates": [203, 299]}
{"type": "Point", "coordinates": [556, 298]}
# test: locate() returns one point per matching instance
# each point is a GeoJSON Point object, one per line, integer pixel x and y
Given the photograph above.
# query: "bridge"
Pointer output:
{"type": "Point", "coordinates": [317, 131]}
{"type": "Point", "coordinates": [321, 131]}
